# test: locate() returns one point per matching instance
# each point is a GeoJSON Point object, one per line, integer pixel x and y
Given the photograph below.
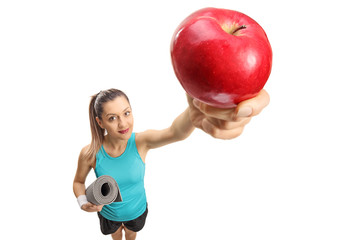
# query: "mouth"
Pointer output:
{"type": "Point", "coordinates": [124, 131]}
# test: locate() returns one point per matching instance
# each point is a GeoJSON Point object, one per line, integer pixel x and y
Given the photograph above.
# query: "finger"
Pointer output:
{"type": "Point", "coordinates": [99, 208]}
{"type": "Point", "coordinates": [228, 125]}
{"type": "Point", "coordinates": [257, 103]}
{"type": "Point", "coordinates": [250, 107]}
{"type": "Point", "coordinates": [86, 208]}
{"type": "Point", "coordinates": [217, 132]}
{"type": "Point", "coordinates": [221, 134]}
{"type": "Point", "coordinates": [90, 207]}
{"type": "Point", "coordinates": [87, 205]}
{"type": "Point", "coordinates": [227, 114]}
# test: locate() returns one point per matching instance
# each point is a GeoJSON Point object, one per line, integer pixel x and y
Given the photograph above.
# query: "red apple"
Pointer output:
{"type": "Point", "coordinates": [221, 57]}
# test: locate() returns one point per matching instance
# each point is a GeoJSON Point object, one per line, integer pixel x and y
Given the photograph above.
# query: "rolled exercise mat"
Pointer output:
{"type": "Point", "coordinates": [104, 190]}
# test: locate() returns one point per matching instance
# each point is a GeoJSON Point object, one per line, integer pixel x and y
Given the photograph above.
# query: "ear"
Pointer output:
{"type": "Point", "coordinates": [99, 122]}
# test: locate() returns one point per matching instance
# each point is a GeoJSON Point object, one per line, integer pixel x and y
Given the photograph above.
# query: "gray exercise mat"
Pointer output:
{"type": "Point", "coordinates": [104, 190]}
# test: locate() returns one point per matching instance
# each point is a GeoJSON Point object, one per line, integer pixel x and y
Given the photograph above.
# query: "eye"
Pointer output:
{"type": "Point", "coordinates": [127, 113]}
{"type": "Point", "coordinates": [112, 118]}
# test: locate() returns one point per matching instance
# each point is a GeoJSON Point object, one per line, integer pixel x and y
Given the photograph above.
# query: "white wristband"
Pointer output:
{"type": "Point", "coordinates": [82, 200]}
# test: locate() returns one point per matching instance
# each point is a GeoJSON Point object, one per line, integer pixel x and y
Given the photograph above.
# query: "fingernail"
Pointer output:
{"type": "Point", "coordinates": [244, 112]}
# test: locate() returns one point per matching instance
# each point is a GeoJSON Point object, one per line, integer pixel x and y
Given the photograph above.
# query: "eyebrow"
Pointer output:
{"type": "Point", "coordinates": [115, 113]}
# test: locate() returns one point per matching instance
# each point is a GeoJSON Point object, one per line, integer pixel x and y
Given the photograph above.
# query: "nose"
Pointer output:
{"type": "Point", "coordinates": [120, 123]}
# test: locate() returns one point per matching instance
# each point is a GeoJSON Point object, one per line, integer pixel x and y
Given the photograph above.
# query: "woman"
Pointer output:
{"type": "Point", "coordinates": [116, 151]}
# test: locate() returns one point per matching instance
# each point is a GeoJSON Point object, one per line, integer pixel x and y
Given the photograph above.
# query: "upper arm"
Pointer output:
{"type": "Point", "coordinates": [83, 168]}
{"type": "Point", "coordinates": [151, 139]}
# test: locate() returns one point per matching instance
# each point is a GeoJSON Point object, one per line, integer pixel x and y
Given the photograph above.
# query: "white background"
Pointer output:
{"type": "Point", "coordinates": [293, 174]}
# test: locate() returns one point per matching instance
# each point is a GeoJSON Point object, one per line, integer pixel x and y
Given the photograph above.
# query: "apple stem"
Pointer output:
{"type": "Point", "coordinates": [239, 28]}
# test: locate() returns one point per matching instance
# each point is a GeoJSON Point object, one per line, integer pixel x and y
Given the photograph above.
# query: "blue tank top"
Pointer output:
{"type": "Point", "coordinates": [128, 170]}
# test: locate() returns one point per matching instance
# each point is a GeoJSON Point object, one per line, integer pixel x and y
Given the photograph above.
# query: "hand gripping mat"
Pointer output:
{"type": "Point", "coordinates": [104, 190]}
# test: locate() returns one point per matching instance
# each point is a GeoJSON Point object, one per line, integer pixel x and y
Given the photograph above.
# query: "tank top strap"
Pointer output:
{"type": "Point", "coordinates": [131, 145]}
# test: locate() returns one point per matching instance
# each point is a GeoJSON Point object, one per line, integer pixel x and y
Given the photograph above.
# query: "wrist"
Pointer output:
{"type": "Point", "coordinates": [82, 200]}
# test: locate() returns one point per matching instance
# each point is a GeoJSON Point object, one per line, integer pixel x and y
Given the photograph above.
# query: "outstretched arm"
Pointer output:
{"type": "Point", "coordinates": [217, 122]}
{"type": "Point", "coordinates": [179, 130]}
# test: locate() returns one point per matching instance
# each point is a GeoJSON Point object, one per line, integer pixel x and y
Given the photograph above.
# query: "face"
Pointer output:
{"type": "Point", "coordinates": [117, 118]}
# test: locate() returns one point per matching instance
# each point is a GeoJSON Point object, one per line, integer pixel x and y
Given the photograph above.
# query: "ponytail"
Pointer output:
{"type": "Point", "coordinates": [97, 133]}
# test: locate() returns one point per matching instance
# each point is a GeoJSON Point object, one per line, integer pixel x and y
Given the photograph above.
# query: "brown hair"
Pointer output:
{"type": "Point", "coordinates": [95, 110]}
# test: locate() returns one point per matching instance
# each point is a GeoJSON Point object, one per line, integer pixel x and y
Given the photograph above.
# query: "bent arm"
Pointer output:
{"type": "Point", "coordinates": [179, 130]}
{"type": "Point", "coordinates": [82, 171]}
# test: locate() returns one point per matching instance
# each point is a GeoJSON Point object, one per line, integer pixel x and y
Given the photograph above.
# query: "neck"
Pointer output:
{"type": "Point", "coordinates": [115, 143]}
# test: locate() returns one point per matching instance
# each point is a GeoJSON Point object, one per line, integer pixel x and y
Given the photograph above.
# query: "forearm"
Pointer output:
{"type": "Point", "coordinates": [83, 169]}
{"type": "Point", "coordinates": [79, 191]}
{"type": "Point", "coordinates": [182, 126]}
{"type": "Point", "coordinates": [78, 188]}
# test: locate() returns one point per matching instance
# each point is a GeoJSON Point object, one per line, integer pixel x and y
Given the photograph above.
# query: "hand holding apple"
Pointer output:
{"type": "Point", "coordinates": [221, 57]}
{"type": "Point", "coordinates": [226, 123]}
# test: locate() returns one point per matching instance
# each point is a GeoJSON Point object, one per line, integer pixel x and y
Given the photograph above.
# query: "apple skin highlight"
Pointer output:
{"type": "Point", "coordinates": [221, 57]}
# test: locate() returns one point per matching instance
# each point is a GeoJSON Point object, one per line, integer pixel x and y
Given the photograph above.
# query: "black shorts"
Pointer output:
{"type": "Point", "coordinates": [109, 227]}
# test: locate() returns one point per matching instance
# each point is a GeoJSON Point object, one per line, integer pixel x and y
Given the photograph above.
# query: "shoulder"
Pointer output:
{"type": "Point", "coordinates": [86, 156]}
{"type": "Point", "coordinates": [84, 151]}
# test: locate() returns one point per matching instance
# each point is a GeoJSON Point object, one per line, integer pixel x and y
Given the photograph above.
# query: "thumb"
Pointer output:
{"type": "Point", "coordinates": [257, 103]}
